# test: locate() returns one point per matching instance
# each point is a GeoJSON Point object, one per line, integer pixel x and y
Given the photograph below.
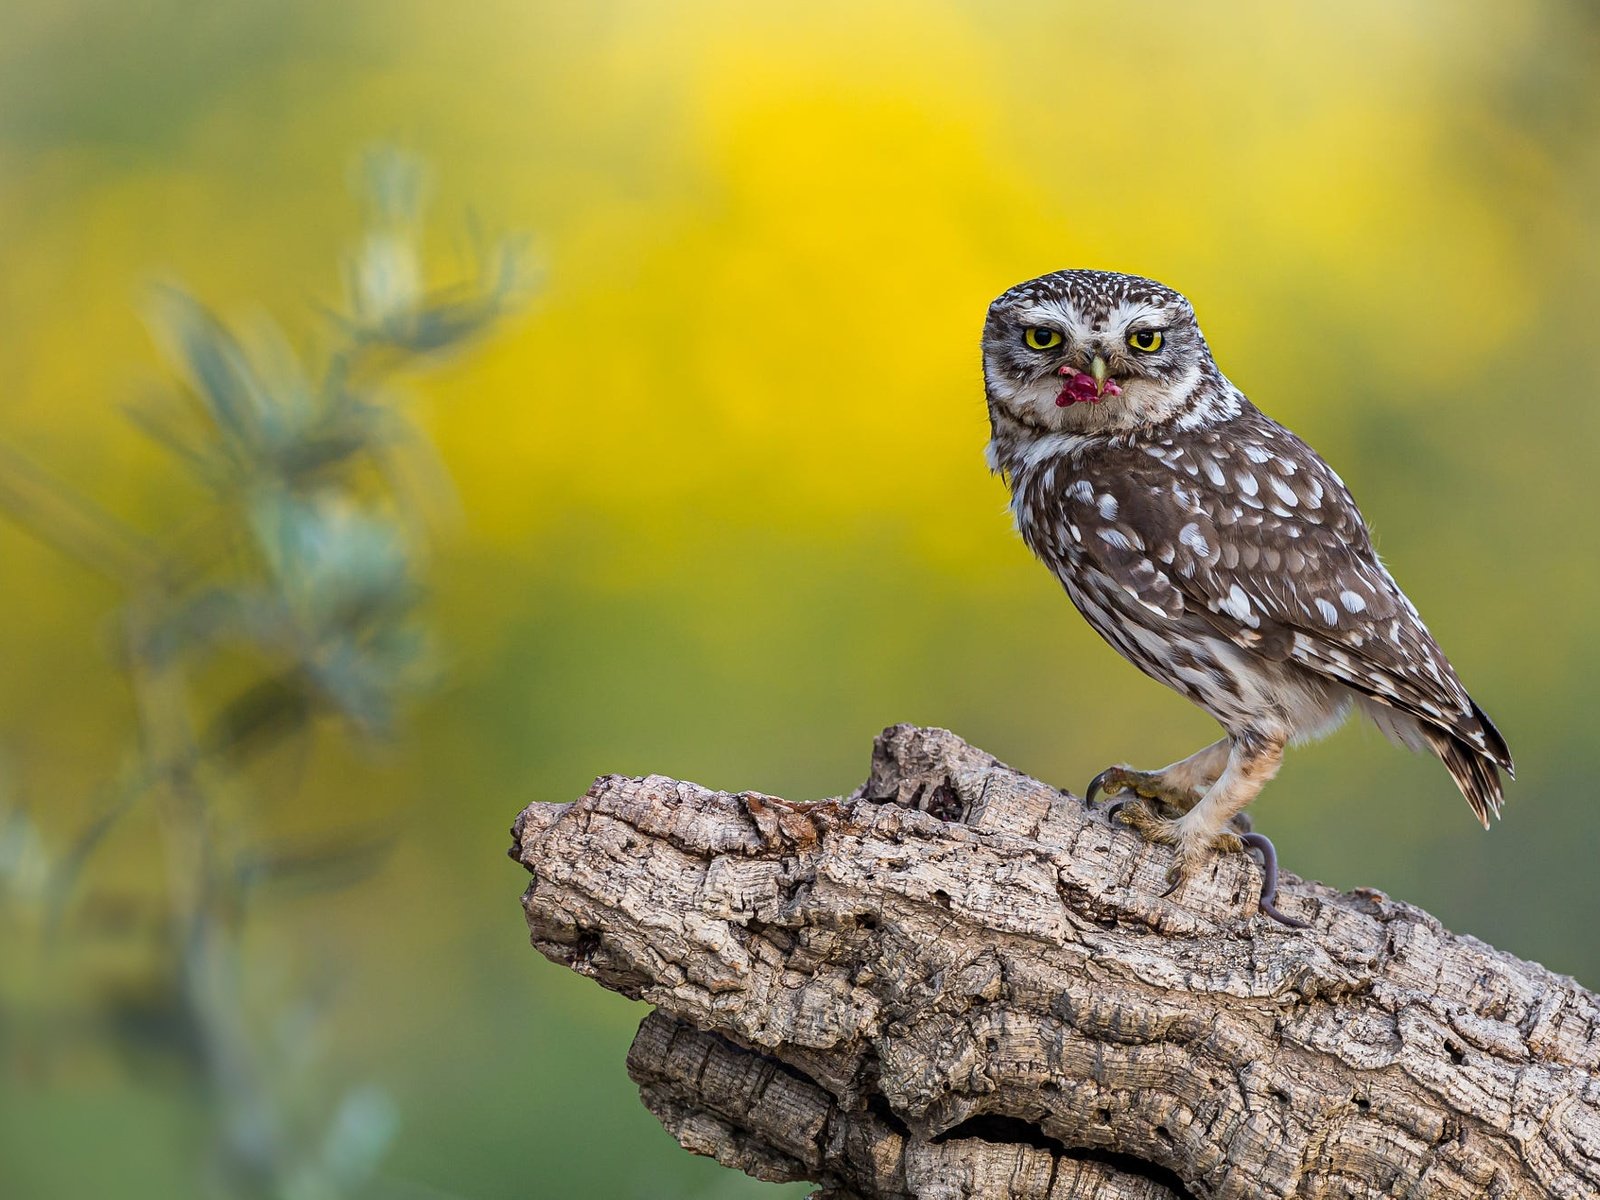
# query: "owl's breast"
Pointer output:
{"type": "Point", "coordinates": [1043, 517]}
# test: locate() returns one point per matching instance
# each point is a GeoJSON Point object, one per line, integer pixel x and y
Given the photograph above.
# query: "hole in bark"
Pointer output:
{"type": "Point", "coordinates": [1102, 1116]}
{"type": "Point", "coordinates": [585, 948]}
{"type": "Point", "coordinates": [944, 803]}
{"type": "Point", "coordinates": [879, 1107]}
{"type": "Point", "coordinates": [1362, 1103]}
{"type": "Point", "coordinates": [1164, 1134]}
{"type": "Point", "coordinates": [1456, 1053]}
{"type": "Point", "coordinates": [1003, 1130]}
{"type": "Point", "coordinates": [941, 898]}
{"type": "Point", "coordinates": [1281, 1096]}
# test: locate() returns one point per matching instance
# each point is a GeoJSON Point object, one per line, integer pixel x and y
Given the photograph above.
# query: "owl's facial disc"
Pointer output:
{"type": "Point", "coordinates": [1082, 351]}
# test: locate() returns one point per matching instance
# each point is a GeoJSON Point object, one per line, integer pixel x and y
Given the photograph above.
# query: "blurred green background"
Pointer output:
{"type": "Point", "coordinates": [721, 509]}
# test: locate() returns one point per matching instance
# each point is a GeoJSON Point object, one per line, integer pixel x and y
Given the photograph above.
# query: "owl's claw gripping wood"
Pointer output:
{"type": "Point", "coordinates": [1149, 785]}
{"type": "Point", "coordinates": [1144, 816]}
{"type": "Point", "coordinates": [1179, 786]}
{"type": "Point", "coordinates": [1146, 819]}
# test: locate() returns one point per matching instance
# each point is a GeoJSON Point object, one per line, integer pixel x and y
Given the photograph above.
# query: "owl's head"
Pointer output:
{"type": "Point", "coordinates": [1093, 351]}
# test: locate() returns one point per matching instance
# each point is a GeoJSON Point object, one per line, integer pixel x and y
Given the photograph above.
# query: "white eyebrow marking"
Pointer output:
{"type": "Point", "coordinates": [1128, 314]}
{"type": "Point", "coordinates": [1055, 315]}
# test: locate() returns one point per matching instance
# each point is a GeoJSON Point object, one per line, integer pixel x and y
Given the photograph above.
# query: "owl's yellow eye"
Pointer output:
{"type": "Point", "coordinates": [1146, 341]}
{"type": "Point", "coordinates": [1041, 339]}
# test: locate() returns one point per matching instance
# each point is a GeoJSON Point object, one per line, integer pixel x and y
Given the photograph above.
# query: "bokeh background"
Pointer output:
{"type": "Point", "coordinates": [720, 508]}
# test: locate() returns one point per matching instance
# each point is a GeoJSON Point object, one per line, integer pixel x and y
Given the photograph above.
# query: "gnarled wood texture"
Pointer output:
{"type": "Point", "coordinates": [959, 982]}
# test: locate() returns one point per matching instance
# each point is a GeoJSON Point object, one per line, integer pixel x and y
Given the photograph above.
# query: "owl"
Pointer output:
{"type": "Point", "coordinates": [1214, 550]}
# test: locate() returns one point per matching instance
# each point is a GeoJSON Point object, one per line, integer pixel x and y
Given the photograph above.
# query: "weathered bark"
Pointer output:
{"type": "Point", "coordinates": [959, 982]}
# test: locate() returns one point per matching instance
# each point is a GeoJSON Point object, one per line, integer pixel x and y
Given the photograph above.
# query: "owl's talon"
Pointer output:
{"type": "Point", "coordinates": [1145, 818]}
{"type": "Point", "coordinates": [1148, 785]}
{"type": "Point", "coordinates": [1228, 843]}
{"type": "Point", "coordinates": [1108, 783]}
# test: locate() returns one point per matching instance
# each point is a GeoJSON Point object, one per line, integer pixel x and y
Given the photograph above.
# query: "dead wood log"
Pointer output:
{"type": "Point", "coordinates": [959, 982]}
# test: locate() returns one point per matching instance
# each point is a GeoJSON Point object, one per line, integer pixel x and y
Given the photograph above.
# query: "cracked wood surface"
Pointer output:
{"type": "Point", "coordinates": [959, 982]}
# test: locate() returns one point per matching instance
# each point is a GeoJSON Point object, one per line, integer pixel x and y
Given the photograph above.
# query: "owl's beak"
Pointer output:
{"type": "Point", "coordinates": [1099, 370]}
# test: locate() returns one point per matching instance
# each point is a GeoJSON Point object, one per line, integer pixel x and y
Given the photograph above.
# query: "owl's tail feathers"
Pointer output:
{"type": "Point", "coordinates": [1475, 773]}
{"type": "Point", "coordinates": [1495, 744]}
{"type": "Point", "coordinates": [1471, 749]}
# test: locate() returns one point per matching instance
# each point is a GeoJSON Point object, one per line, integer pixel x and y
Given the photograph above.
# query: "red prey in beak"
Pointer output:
{"type": "Point", "coordinates": [1087, 387]}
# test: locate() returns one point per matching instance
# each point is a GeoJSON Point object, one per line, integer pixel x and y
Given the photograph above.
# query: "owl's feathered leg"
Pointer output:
{"type": "Point", "coordinates": [1252, 759]}
{"type": "Point", "coordinates": [1179, 785]}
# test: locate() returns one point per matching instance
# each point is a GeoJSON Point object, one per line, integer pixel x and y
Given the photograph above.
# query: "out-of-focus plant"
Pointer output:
{"type": "Point", "coordinates": [291, 595]}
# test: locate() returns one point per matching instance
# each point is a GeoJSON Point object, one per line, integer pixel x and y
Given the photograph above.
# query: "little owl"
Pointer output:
{"type": "Point", "coordinates": [1213, 549]}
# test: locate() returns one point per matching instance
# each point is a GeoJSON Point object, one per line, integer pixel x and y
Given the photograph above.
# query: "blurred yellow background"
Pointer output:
{"type": "Point", "coordinates": [722, 509]}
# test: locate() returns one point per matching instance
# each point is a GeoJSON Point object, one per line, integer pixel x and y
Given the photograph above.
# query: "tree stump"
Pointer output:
{"type": "Point", "coordinates": [960, 982]}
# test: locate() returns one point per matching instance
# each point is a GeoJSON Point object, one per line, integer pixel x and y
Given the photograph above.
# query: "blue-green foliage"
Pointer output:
{"type": "Point", "coordinates": [294, 592]}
